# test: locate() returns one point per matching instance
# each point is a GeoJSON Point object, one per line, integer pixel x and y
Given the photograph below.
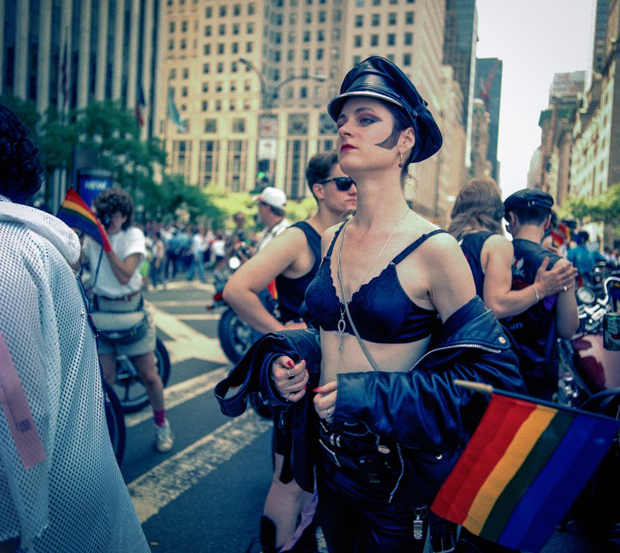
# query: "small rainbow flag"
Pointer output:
{"type": "Point", "coordinates": [76, 214]}
{"type": "Point", "coordinates": [522, 470]}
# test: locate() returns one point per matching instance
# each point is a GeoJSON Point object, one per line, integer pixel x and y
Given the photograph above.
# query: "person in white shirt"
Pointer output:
{"type": "Point", "coordinates": [271, 202]}
{"type": "Point", "coordinates": [60, 485]}
{"type": "Point", "coordinates": [116, 285]}
{"type": "Point", "coordinates": [197, 251]}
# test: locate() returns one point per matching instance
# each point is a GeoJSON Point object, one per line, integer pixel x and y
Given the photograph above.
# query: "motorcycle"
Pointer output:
{"type": "Point", "coordinates": [115, 420]}
{"type": "Point", "coordinates": [126, 328]}
{"type": "Point", "coordinates": [590, 380]}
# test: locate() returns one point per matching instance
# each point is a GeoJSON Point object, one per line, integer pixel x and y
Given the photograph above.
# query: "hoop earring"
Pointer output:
{"type": "Point", "coordinates": [401, 160]}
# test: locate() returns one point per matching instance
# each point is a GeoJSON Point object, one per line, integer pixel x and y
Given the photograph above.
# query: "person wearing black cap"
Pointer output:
{"type": "Point", "coordinates": [391, 287]}
{"type": "Point", "coordinates": [536, 330]}
{"type": "Point", "coordinates": [477, 225]}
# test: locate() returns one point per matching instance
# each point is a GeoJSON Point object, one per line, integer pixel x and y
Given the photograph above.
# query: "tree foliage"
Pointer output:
{"type": "Point", "coordinates": [604, 208]}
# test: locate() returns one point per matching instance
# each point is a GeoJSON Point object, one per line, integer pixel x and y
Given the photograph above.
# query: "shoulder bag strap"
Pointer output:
{"type": "Point", "coordinates": [357, 334]}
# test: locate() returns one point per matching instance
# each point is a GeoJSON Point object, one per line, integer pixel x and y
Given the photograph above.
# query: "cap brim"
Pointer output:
{"type": "Point", "coordinates": [335, 104]}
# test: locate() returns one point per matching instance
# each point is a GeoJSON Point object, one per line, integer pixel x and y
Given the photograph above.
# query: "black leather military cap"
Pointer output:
{"type": "Point", "coordinates": [527, 198]}
{"type": "Point", "coordinates": [379, 78]}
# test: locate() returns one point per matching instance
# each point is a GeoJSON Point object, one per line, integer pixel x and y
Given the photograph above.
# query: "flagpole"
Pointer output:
{"type": "Point", "coordinates": [488, 389]}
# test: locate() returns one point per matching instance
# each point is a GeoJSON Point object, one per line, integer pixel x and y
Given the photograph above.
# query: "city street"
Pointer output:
{"type": "Point", "coordinates": [207, 494]}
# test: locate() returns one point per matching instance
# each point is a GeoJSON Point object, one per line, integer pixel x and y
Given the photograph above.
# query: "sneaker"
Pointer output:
{"type": "Point", "coordinates": [165, 438]}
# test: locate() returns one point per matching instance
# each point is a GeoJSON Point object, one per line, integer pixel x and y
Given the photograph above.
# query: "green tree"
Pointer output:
{"type": "Point", "coordinates": [604, 208]}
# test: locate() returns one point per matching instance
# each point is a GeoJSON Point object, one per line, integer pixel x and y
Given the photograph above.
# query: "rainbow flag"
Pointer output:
{"type": "Point", "coordinates": [76, 214]}
{"type": "Point", "coordinates": [522, 470]}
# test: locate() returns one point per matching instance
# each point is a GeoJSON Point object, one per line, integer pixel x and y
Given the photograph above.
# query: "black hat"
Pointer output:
{"type": "Point", "coordinates": [528, 198]}
{"type": "Point", "coordinates": [379, 78]}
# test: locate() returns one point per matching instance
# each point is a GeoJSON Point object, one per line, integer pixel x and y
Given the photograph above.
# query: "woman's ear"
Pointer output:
{"type": "Point", "coordinates": [407, 139]}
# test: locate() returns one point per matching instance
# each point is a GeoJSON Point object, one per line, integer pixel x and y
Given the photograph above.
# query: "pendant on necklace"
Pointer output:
{"type": "Point", "coordinates": [341, 326]}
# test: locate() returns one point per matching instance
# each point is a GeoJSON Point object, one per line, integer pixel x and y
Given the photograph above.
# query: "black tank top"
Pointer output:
{"type": "Point", "coordinates": [382, 311]}
{"type": "Point", "coordinates": [472, 245]}
{"type": "Point", "coordinates": [534, 330]}
{"type": "Point", "coordinates": [291, 290]}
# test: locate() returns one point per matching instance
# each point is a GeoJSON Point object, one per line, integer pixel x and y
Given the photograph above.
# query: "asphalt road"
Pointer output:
{"type": "Point", "coordinates": [207, 494]}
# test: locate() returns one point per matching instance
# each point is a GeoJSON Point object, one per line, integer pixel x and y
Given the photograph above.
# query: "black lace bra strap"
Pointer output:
{"type": "Point", "coordinates": [331, 246]}
{"type": "Point", "coordinates": [413, 246]}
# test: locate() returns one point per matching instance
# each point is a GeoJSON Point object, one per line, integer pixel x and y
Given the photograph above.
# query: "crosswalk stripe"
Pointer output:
{"type": "Point", "coordinates": [156, 488]}
{"type": "Point", "coordinates": [180, 393]}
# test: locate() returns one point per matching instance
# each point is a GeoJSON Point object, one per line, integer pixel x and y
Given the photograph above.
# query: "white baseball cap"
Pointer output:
{"type": "Point", "coordinates": [272, 196]}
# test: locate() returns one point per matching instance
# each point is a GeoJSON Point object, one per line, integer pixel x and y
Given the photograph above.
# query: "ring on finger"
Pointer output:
{"type": "Point", "coordinates": [290, 376]}
{"type": "Point", "coordinates": [565, 288]}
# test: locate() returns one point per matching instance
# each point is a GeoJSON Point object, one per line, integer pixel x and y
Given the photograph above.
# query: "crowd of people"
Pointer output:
{"type": "Point", "coordinates": [397, 310]}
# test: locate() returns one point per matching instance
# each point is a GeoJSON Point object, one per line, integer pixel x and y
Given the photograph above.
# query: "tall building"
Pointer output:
{"type": "Point", "coordinates": [251, 80]}
{"type": "Point", "coordinates": [596, 134]}
{"type": "Point", "coordinates": [598, 38]}
{"type": "Point", "coordinates": [488, 87]}
{"type": "Point", "coordinates": [66, 53]}
{"type": "Point", "coordinates": [461, 36]}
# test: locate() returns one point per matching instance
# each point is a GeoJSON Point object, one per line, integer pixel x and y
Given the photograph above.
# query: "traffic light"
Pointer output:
{"type": "Point", "coordinates": [262, 174]}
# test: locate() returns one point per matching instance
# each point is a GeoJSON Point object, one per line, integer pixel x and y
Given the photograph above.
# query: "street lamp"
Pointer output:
{"type": "Point", "coordinates": [267, 141]}
{"type": "Point", "coordinates": [268, 96]}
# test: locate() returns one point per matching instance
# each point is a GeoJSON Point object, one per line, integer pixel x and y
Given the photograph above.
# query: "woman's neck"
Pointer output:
{"type": "Point", "coordinates": [379, 204]}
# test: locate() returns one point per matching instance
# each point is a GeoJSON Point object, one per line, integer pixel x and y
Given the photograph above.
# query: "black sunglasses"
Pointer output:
{"type": "Point", "coordinates": [342, 183]}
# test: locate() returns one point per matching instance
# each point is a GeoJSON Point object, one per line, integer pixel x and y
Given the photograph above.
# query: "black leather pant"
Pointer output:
{"type": "Point", "coordinates": [354, 509]}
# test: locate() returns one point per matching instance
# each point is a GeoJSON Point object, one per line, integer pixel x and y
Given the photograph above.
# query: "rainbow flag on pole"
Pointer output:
{"type": "Point", "coordinates": [76, 214]}
{"type": "Point", "coordinates": [522, 470]}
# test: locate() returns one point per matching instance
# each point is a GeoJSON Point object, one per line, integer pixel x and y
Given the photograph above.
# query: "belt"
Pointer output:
{"type": "Point", "coordinates": [121, 298]}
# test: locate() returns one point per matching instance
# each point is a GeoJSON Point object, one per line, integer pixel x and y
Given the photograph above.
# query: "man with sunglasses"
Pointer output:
{"type": "Point", "coordinates": [292, 259]}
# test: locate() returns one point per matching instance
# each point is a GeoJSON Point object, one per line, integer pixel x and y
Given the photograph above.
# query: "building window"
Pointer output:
{"type": "Point", "coordinates": [250, 28]}
{"type": "Point", "coordinates": [208, 12]}
{"type": "Point", "coordinates": [222, 11]}
{"type": "Point", "coordinates": [207, 169]}
{"type": "Point", "coordinates": [238, 125]}
{"type": "Point", "coordinates": [237, 163]}
{"type": "Point", "coordinates": [408, 38]}
{"type": "Point", "coordinates": [233, 67]}
{"type": "Point", "coordinates": [391, 39]}
{"type": "Point", "coordinates": [251, 8]}
{"type": "Point", "coordinates": [205, 87]}
{"type": "Point", "coordinates": [205, 105]}
{"type": "Point", "coordinates": [220, 67]}
{"type": "Point", "coordinates": [210, 125]}
{"type": "Point", "coordinates": [409, 18]}
{"type": "Point", "coordinates": [376, 2]}
{"type": "Point", "coordinates": [171, 28]}
{"type": "Point", "coordinates": [305, 54]}
{"type": "Point", "coordinates": [303, 92]}
{"type": "Point", "coordinates": [233, 86]}
{"type": "Point", "coordinates": [207, 49]}
{"type": "Point", "coordinates": [374, 40]}
{"type": "Point", "coordinates": [246, 85]}
{"type": "Point", "coordinates": [183, 44]}
{"type": "Point", "coordinates": [184, 27]}
{"type": "Point", "coordinates": [322, 17]}
{"type": "Point", "coordinates": [235, 29]}
{"type": "Point", "coordinates": [237, 9]}
{"type": "Point", "coordinates": [218, 105]}
{"type": "Point", "coordinates": [208, 30]}
{"type": "Point", "coordinates": [248, 47]}
{"type": "Point", "coordinates": [308, 17]}
{"type": "Point", "coordinates": [234, 48]}
{"type": "Point", "coordinates": [173, 73]}
{"type": "Point", "coordinates": [407, 59]}
{"type": "Point", "coordinates": [205, 68]}
{"type": "Point", "coordinates": [171, 45]}
{"type": "Point", "coordinates": [319, 54]}
{"type": "Point", "coordinates": [186, 73]}
{"type": "Point", "coordinates": [306, 36]}
{"type": "Point", "coordinates": [291, 55]}
{"type": "Point", "coordinates": [357, 41]}
{"type": "Point", "coordinates": [376, 20]}
{"type": "Point", "coordinates": [320, 35]}
{"type": "Point", "coordinates": [392, 18]}
{"type": "Point", "coordinates": [222, 30]}
{"type": "Point", "coordinates": [359, 20]}
{"type": "Point", "coordinates": [220, 48]}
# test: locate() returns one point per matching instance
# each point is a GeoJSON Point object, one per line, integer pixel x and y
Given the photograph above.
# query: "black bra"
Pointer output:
{"type": "Point", "coordinates": [382, 311]}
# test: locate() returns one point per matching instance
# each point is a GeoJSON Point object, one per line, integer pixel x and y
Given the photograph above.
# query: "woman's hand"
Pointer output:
{"type": "Point", "coordinates": [290, 379]}
{"type": "Point", "coordinates": [559, 279]}
{"type": "Point", "coordinates": [325, 400]}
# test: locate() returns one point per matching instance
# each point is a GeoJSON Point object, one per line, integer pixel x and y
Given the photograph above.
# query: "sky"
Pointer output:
{"type": "Point", "coordinates": [534, 39]}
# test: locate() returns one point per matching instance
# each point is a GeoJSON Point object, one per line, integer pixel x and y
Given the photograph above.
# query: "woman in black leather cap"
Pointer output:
{"type": "Point", "coordinates": [391, 422]}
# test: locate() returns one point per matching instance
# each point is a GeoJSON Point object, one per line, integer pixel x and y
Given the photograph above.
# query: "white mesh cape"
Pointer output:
{"type": "Point", "coordinates": [75, 500]}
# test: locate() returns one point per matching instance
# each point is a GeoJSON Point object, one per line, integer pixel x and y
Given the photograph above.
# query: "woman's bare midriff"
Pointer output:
{"type": "Point", "coordinates": [388, 357]}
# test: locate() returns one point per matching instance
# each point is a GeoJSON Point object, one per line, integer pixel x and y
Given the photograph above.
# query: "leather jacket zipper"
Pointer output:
{"type": "Point", "coordinates": [473, 346]}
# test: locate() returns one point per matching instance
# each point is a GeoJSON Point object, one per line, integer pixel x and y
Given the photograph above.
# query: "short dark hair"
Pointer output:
{"type": "Point", "coordinates": [320, 167]}
{"type": "Point", "coordinates": [530, 215]}
{"type": "Point", "coordinates": [112, 200]}
{"type": "Point", "coordinates": [21, 174]}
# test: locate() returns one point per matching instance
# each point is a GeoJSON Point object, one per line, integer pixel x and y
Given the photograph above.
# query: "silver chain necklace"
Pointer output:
{"type": "Point", "coordinates": [341, 323]}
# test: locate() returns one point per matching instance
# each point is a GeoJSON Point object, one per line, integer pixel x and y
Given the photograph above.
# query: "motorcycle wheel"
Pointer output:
{"type": "Point", "coordinates": [236, 337]}
{"type": "Point", "coordinates": [129, 387]}
{"type": "Point", "coordinates": [115, 421]}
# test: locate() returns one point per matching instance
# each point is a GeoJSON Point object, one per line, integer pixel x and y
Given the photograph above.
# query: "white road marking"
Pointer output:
{"type": "Point", "coordinates": [180, 393]}
{"type": "Point", "coordinates": [186, 342]}
{"type": "Point", "coordinates": [200, 317]}
{"type": "Point", "coordinates": [156, 488]}
{"type": "Point", "coordinates": [180, 303]}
